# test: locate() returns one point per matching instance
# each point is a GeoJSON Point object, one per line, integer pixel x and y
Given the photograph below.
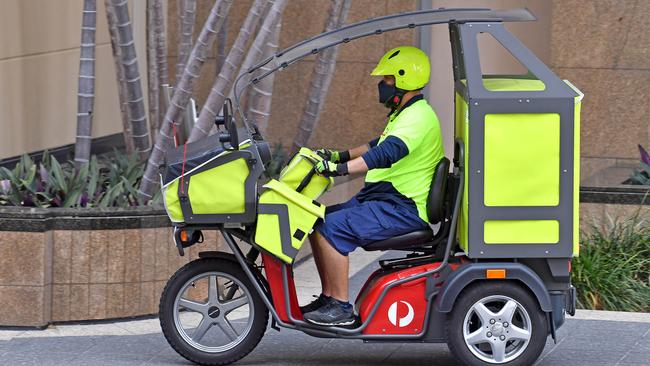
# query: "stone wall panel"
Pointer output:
{"type": "Point", "coordinates": [116, 259]}
{"type": "Point", "coordinates": [99, 256]}
{"type": "Point", "coordinates": [80, 261]}
{"type": "Point", "coordinates": [62, 259]}
{"type": "Point", "coordinates": [79, 302]}
{"type": "Point", "coordinates": [15, 313]}
{"type": "Point", "coordinates": [600, 27]}
{"type": "Point", "coordinates": [613, 111]}
{"type": "Point", "coordinates": [22, 258]}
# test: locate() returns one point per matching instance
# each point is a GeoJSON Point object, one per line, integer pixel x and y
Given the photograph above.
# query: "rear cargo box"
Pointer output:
{"type": "Point", "coordinates": [521, 181]}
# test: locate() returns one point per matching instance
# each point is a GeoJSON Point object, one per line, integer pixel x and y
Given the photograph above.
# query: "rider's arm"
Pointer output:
{"type": "Point", "coordinates": [384, 155]}
{"type": "Point", "coordinates": [390, 151]}
{"type": "Point", "coordinates": [357, 165]}
{"type": "Point", "coordinates": [360, 150]}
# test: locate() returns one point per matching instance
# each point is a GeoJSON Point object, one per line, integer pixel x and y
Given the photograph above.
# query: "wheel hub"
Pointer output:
{"type": "Point", "coordinates": [493, 316]}
{"type": "Point", "coordinates": [213, 312]}
{"type": "Point", "coordinates": [497, 329]}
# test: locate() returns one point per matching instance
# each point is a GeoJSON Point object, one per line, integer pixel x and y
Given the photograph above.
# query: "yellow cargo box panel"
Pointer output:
{"type": "Point", "coordinates": [285, 218]}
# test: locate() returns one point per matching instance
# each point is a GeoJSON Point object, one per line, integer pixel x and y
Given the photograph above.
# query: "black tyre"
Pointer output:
{"type": "Point", "coordinates": [496, 323]}
{"type": "Point", "coordinates": [210, 312]}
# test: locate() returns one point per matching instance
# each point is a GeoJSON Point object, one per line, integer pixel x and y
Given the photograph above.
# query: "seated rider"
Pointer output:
{"type": "Point", "coordinates": [399, 165]}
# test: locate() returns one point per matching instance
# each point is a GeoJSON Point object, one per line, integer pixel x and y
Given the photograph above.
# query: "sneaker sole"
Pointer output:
{"type": "Point", "coordinates": [349, 322]}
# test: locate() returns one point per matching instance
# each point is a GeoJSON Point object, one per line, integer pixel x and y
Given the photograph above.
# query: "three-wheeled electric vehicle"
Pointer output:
{"type": "Point", "coordinates": [491, 278]}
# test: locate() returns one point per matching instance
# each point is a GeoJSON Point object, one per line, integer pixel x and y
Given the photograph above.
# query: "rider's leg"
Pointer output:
{"type": "Point", "coordinates": [333, 268]}
{"type": "Point", "coordinates": [316, 252]}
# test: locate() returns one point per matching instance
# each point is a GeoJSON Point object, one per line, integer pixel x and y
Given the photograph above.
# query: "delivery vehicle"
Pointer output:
{"type": "Point", "coordinates": [492, 280]}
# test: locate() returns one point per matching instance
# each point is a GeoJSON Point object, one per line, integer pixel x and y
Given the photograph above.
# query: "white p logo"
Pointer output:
{"type": "Point", "coordinates": [403, 321]}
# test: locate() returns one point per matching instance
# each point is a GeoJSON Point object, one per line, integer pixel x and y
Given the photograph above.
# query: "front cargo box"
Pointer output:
{"type": "Point", "coordinates": [299, 174]}
{"type": "Point", "coordinates": [285, 218]}
{"type": "Point", "coordinates": [202, 183]}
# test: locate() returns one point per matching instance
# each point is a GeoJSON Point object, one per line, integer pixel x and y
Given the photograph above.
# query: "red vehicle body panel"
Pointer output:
{"type": "Point", "coordinates": [273, 271]}
{"type": "Point", "coordinates": [403, 309]}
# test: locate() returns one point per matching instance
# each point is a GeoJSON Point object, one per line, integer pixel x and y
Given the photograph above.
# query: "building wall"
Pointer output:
{"type": "Point", "coordinates": [39, 66]}
{"type": "Point", "coordinates": [603, 47]}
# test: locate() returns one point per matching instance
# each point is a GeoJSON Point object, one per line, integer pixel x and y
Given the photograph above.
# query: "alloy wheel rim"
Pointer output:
{"type": "Point", "coordinates": [497, 329]}
{"type": "Point", "coordinates": [214, 312]}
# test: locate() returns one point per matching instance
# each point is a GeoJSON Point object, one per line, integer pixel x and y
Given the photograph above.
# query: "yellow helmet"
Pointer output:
{"type": "Point", "coordinates": [408, 64]}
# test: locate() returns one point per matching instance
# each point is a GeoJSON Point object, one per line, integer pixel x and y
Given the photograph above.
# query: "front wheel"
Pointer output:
{"type": "Point", "coordinates": [496, 323]}
{"type": "Point", "coordinates": [210, 313]}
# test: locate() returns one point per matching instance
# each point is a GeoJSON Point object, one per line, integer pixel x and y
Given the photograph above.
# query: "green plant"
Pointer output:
{"type": "Point", "coordinates": [613, 269]}
{"type": "Point", "coordinates": [106, 181]}
{"type": "Point", "coordinates": [641, 176]}
{"type": "Point", "coordinates": [278, 160]}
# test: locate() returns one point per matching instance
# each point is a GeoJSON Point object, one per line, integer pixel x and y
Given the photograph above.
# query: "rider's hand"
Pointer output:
{"type": "Point", "coordinates": [329, 169]}
{"type": "Point", "coordinates": [333, 155]}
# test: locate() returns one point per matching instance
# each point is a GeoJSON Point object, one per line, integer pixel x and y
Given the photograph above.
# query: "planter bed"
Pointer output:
{"type": "Point", "coordinates": [60, 265]}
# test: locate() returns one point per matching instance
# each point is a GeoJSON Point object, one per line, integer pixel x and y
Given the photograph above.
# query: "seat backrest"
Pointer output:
{"type": "Point", "coordinates": [438, 192]}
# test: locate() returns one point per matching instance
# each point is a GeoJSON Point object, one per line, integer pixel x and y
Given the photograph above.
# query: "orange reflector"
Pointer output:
{"type": "Point", "coordinates": [495, 273]}
{"type": "Point", "coordinates": [183, 235]}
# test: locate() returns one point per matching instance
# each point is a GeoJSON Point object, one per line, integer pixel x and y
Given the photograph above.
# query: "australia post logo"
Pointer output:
{"type": "Point", "coordinates": [401, 314]}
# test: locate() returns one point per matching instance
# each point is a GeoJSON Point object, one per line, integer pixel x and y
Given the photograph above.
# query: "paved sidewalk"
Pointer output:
{"type": "Point", "coordinates": [590, 339]}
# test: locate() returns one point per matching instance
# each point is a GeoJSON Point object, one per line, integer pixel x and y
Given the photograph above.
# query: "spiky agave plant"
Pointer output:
{"type": "Point", "coordinates": [106, 181]}
{"type": "Point", "coordinates": [612, 271]}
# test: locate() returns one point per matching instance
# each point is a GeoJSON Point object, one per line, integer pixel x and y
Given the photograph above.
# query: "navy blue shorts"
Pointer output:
{"type": "Point", "coordinates": [354, 224]}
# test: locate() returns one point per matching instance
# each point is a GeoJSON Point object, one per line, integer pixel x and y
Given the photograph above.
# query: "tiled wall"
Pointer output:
{"type": "Point", "coordinates": [25, 278]}
{"type": "Point", "coordinates": [79, 275]}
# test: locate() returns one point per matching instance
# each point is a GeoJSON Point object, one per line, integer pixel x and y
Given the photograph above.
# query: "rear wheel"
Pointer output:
{"type": "Point", "coordinates": [496, 323]}
{"type": "Point", "coordinates": [210, 313]}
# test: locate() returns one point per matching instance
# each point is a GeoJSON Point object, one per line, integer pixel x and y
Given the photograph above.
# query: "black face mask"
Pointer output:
{"type": "Point", "coordinates": [389, 95]}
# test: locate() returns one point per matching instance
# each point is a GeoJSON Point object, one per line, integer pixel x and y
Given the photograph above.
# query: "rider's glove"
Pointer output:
{"type": "Point", "coordinates": [334, 156]}
{"type": "Point", "coordinates": [329, 169]}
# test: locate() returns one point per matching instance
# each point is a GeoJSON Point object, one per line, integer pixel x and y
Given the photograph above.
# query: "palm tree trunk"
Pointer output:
{"type": "Point", "coordinates": [119, 76]}
{"type": "Point", "coordinates": [187, 12]}
{"type": "Point", "coordinates": [161, 58]}
{"type": "Point", "coordinates": [137, 114]}
{"type": "Point", "coordinates": [222, 42]}
{"type": "Point", "coordinates": [260, 99]}
{"type": "Point", "coordinates": [321, 78]}
{"type": "Point", "coordinates": [224, 80]}
{"type": "Point", "coordinates": [187, 16]}
{"type": "Point", "coordinates": [182, 95]}
{"type": "Point", "coordinates": [152, 67]}
{"type": "Point", "coordinates": [86, 88]}
{"type": "Point", "coordinates": [267, 28]}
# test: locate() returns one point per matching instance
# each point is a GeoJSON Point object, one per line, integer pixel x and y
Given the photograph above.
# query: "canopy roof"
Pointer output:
{"type": "Point", "coordinates": [385, 24]}
{"type": "Point", "coordinates": [375, 26]}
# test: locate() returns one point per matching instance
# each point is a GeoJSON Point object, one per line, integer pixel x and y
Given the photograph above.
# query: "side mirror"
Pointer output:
{"type": "Point", "coordinates": [226, 119]}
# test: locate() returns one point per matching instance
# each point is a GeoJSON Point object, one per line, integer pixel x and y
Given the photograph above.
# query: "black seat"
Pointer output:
{"type": "Point", "coordinates": [435, 212]}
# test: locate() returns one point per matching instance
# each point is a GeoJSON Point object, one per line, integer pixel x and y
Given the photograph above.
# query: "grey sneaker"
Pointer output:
{"type": "Point", "coordinates": [314, 305]}
{"type": "Point", "coordinates": [332, 313]}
